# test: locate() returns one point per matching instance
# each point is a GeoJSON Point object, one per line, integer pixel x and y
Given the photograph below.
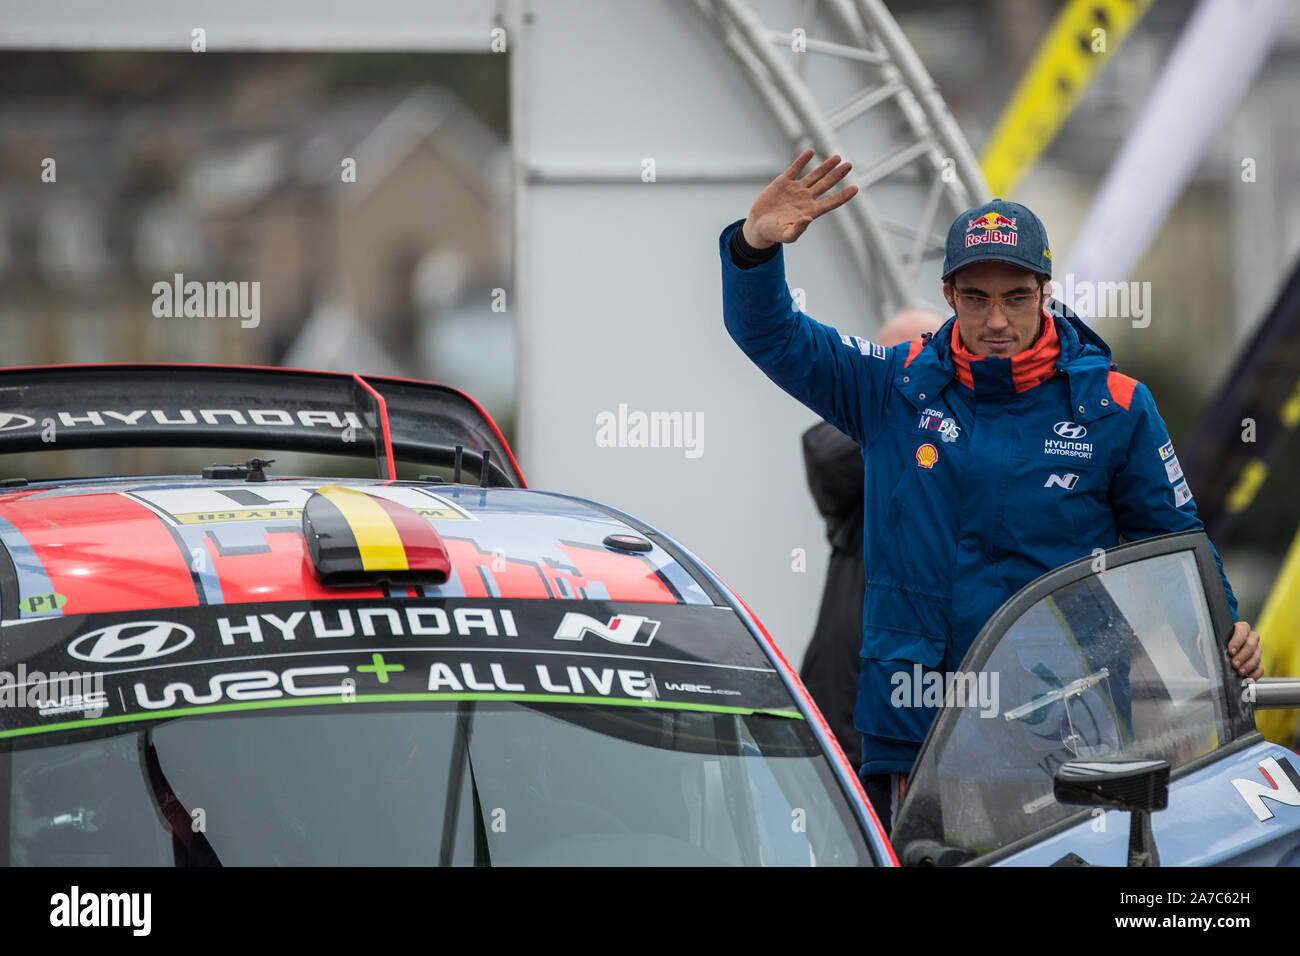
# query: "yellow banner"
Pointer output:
{"type": "Point", "coordinates": [1085, 35]}
{"type": "Point", "coordinates": [1279, 631]}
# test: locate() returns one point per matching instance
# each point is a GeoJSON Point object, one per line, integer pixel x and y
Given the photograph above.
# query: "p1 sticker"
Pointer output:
{"type": "Point", "coordinates": [42, 603]}
{"type": "Point", "coordinates": [1166, 450]}
{"type": "Point", "coordinates": [926, 455]}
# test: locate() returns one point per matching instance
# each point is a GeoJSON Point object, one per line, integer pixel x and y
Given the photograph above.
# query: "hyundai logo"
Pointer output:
{"type": "Point", "coordinates": [134, 641]}
{"type": "Point", "coordinates": [1069, 430]}
{"type": "Point", "coordinates": [11, 421]}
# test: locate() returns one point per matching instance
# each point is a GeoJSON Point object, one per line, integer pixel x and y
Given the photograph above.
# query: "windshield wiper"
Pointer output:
{"type": "Point", "coordinates": [190, 846]}
{"type": "Point", "coordinates": [460, 762]}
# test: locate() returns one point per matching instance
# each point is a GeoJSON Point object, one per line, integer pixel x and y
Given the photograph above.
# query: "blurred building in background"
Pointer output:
{"type": "Point", "coordinates": [372, 217]}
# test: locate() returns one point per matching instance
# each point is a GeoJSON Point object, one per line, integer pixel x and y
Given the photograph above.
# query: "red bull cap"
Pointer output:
{"type": "Point", "coordinates": [1000, 230]}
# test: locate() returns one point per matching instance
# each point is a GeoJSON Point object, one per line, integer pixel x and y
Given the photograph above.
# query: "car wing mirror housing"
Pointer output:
{"type": "Point", "coordinates": [932, 853]}
{"type": "Point", "coordinates": [1139, 786]}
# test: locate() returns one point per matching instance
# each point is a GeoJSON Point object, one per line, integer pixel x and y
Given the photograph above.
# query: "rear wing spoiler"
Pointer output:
{"type": "Point", "coordinates": [236, 406]}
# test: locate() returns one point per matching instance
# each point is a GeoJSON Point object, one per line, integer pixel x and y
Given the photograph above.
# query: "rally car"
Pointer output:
{"type": "Point", "coordinates": [437, 666]}
{"type": "Point", "coordinates": [446, 667]}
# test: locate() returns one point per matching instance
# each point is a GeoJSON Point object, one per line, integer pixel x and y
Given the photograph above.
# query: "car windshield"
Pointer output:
{"type": "Point", "coordinates": [410, 731]}
{"type": "Point", "coordinates": [1120, 663]}
{"type": "Point", "coordinates": [468, 783]}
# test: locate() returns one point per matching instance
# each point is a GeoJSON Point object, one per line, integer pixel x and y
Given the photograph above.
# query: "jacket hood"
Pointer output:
{"type": "Point", "coordinates": [1078, 341]}
{"type": "Point", "coordinates": [1086, 340]}
{"type": "Point", "coordinates": [1085, 358]}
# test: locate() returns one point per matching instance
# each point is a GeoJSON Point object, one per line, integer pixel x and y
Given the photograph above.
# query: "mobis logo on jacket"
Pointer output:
{"type": "Point", "coordinates": [945, 425]}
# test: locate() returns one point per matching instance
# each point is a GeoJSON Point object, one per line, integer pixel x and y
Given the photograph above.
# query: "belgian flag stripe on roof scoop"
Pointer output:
{"type": "Point", "coordinates": [354, 538]}
{"type": "Point", "coordinates": [378, 543]}
{"type": "Point", "coordinates": [424, 549]}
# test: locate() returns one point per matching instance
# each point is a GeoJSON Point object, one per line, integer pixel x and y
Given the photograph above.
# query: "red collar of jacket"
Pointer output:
{"type": "Point", "coordinates": [1034, 365]}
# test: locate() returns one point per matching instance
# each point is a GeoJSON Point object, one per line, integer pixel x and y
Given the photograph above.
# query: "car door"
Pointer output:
{"type": "Point", "coordinates": [1122, 654]}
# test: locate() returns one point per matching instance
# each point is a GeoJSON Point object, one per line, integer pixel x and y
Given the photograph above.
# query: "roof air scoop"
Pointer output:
{"type": "Point", "coordinates": [354, 538]}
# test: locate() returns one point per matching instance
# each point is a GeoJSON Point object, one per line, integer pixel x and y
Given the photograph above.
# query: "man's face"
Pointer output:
{"type": "Point", "coordinates": [1003, 328]}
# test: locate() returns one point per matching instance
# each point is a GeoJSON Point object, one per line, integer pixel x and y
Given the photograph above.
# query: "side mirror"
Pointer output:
{"type": "Point", "coordinates": [932, 853]}
{"type": "Point", "coordinates": [1138, 786]}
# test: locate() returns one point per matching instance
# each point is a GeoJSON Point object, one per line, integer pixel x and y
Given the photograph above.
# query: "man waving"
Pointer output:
{"type": "Point", "coordinates": [1002, 447]}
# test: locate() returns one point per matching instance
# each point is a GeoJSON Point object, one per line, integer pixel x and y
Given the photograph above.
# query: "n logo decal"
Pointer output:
{"type": "Point", "coordinates": [1283, 787]}
{"type": "Point", "coordinates": [1065, 481]}
{"type": "Point", "coordinates": [627, 629]}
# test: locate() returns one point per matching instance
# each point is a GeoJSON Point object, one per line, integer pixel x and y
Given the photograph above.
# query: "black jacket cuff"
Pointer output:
{"type": "Point", "coordinates": [746, 256]}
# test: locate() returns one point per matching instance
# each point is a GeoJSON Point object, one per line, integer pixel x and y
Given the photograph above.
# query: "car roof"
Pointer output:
{"type": "Point", "coordinates": [100, 545]}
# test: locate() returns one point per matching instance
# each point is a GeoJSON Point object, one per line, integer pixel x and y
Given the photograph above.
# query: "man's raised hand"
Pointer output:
{"type": "Point", "coordinates": [789, 204]}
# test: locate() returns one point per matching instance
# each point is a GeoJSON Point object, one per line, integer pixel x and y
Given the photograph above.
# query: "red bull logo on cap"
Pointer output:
{"type": "Point", "coordinates": [991, 220]}
{"type": "Point", "coordinates": [987, 228]}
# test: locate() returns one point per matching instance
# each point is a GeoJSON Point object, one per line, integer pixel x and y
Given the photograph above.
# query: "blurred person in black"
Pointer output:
{"type": "Point", "coordinates": [833, 463]}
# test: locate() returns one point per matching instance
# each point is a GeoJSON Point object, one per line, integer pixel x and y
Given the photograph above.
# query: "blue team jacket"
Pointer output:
{"type": "Point", "coordinates": [970, 493]}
